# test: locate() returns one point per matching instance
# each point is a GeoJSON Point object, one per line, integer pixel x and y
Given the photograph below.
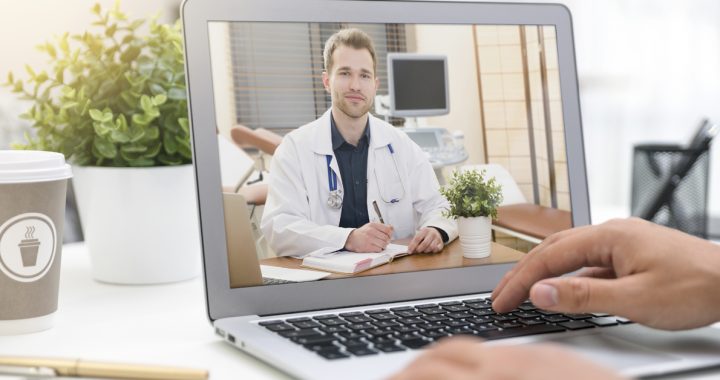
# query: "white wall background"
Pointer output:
{"type": "Point", "coordinates": [649, 70]}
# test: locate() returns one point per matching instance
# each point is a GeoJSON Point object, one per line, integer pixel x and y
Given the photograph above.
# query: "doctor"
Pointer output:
{"type": "Point", "coordinates": [326, 176]}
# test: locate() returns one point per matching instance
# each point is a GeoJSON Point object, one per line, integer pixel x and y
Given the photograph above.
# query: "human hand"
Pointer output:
{"type": "Point", "coordinates": [372, 237]}
{"type": "Point", "coordinates": [651, 274]}
{"type": "Point", "coordinates": [466, 359]}
{"type": "Point", "coordinates": [427, 240]}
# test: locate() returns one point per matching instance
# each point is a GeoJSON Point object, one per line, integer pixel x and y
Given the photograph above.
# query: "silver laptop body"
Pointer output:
{"type": "Point", "coordinates": [236, 312]}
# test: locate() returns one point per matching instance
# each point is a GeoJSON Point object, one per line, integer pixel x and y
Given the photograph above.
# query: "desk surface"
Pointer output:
{"type": "Point", "coordinates": [533, 220]}
{"type": "Point", "coordinates": [159, 324]}
{"type": "Point", "coordinates": [450, 257]}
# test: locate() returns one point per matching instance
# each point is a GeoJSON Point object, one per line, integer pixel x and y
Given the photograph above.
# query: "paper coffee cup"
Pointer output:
{"type": "Point", "coordinates": [32, 212]}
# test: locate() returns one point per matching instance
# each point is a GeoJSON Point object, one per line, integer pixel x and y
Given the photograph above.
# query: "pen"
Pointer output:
{"type": "Point", "coordinates": [82, 368]}
{"type": "Point", "coordinates": [377, 211]}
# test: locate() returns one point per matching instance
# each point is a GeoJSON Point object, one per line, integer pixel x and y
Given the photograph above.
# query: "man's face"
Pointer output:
{"type": "Point", "coordinates": [351, 82]}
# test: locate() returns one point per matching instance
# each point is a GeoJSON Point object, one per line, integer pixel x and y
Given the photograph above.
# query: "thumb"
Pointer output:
{"type": "Point", "coordinates": [577, 294]}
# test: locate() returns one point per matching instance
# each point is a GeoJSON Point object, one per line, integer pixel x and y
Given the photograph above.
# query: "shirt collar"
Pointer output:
{"type": "Point", "coordinates": [338, 140]}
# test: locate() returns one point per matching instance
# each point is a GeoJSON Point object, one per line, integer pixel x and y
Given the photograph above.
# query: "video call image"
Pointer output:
{"type": "Point", "coordinates": [335, 166]}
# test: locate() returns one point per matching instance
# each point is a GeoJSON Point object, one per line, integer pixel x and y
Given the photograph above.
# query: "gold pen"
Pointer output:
{"type": "Point", "coordinates": [82, 368]}
{"type": "Point", "coordinates": [377, 211]}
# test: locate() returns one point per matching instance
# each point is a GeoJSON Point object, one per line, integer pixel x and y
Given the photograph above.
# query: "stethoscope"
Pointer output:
{"type": "Point", "coordinates": [335, 197]}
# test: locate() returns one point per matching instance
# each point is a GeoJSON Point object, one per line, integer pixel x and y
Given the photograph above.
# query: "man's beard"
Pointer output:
{"type": "Point", "coordinates": [354, 112]}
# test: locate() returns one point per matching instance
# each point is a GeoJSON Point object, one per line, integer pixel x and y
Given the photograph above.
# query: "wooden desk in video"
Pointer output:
{"type": "Point", "coordinates": [450, 257]}
{"type": "Point", "coordinates": [531, 222]}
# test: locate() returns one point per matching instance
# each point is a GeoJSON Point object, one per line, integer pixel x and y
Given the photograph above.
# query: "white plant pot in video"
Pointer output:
{"type": "Point", "coordinates": [475, 236]}
{"type": "Point", "coordinates": [140, 224]}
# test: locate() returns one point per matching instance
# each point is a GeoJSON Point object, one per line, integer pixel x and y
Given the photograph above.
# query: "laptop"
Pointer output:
{"type": "Point", "coordinates": [257, 62]}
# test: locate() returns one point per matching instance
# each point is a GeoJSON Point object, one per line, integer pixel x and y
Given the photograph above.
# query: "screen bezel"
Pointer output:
{"type": "Point", "coordinates": [223, 301]}
{"type": "Point", "coordinates": [391, 58]}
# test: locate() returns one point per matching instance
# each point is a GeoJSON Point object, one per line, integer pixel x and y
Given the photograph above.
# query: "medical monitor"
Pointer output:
{"type": "Point", "coordinates": [417, 84]}
{"type": "Point", "coordinates": [511, 89]}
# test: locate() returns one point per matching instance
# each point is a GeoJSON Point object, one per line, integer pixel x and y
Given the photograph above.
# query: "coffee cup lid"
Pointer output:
{"type": "Point", "coordinates": [18, 166]}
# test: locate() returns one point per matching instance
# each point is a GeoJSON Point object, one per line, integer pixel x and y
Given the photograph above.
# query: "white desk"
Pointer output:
{"type": "Point", "coordinates": [159, 324]}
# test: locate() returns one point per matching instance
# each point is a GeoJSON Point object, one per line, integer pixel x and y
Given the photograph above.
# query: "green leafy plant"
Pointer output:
{"type": "Point", "coordinates": [113, 96]}
{"type": "Point", "coordinates": [471, 195]}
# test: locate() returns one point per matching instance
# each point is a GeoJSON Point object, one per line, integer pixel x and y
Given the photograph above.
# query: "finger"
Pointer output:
{"type": "Point", "coordinates": [581, 294]}
{"type": "Point", "coordinates": [427, 243]}
{"type": "Point", "coordinates": [382, 229]}
{"type": "Point", "coordinates": [596, 272]}
{"type": "Point", "coordinates": [413, 244]}
{"type": "Point", "coordinates": [540, 247]}
{"type": "Point", "coordinates": [432, 370]}
{"type": "Point", "coordinates": [586, 247]}
{"type": "Point", "coordinates": [377, 234]}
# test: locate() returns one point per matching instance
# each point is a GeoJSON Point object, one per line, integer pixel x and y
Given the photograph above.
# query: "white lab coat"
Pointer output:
{"type": "Point", "coordinates": [297, 220]}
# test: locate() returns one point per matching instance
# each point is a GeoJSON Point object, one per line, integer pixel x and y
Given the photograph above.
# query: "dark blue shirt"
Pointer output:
{"type": "Point", "coordinates": [352, 161]}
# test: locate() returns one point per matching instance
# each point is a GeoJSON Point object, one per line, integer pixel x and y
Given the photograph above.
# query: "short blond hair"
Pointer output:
{"type": "Point", "coordinates": [351, 37]}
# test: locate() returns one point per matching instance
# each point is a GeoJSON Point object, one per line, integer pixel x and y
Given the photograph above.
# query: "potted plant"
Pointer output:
{"type": "Point", "coordinates": [114, 103]}
{"type": "Point", "coordinates": [473, 202]}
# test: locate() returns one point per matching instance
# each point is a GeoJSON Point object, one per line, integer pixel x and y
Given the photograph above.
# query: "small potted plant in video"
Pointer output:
{"type": "Point", "coordinates": [113, 101]}
{"type": "Point", "coordinates": [473, 202]}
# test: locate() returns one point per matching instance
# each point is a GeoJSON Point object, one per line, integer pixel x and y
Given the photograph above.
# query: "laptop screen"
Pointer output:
{"type": "Point", "coordinates": [503, 117]}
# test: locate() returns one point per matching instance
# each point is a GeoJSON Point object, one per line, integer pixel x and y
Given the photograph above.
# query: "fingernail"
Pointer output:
{"type": "Point", "coordinates": [544, 295]}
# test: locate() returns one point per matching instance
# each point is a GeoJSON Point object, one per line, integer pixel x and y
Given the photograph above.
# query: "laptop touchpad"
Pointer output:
{"type": "Point", "coordinates": [614, 352]}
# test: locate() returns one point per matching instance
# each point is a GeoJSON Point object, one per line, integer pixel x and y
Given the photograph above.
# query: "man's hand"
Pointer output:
{"type": "Point", "coordinates": [427, 240]}
{"type": "Point", "coordinates": [467, 359]}
{"type": "Point", "coordinates": [653, 275]}
{"type": "Point", "coordinates": [372, 237]}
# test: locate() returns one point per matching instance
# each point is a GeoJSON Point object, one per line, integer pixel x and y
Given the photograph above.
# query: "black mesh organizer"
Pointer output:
{"type": "Point", "coordinates": [670, 186]}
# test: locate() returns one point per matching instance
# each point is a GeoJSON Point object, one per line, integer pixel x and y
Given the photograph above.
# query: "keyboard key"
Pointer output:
{"type": "Point", "coordinates": [389, 347]}
{"type": "Point", "coordinates": [450, 303]}
{"type": "Point", "coordinates": [402, 308]}
{"type": "Point", "coordinates": [478, 306]}
{"type": "Point", "coordinates": [332, 354]}
{"type": "Point", "coordinates": [359, 351]}
{"type": "Point", "coordinates": [349, 335]}
{"type": "Point", "coordinates": [483, 312]}
{"type": "Point", "coordinates": [576, 325]}
{"type": "Point", "coordinates": [382, 324]}
{"type": "Point", "coordinates": [526, 314]}
{"type": "Point", "coordinates": [433, 311]}
{"type": "Point", "coordinates": [461, 331]}
{"type": "Point", "coordinates": [354, 343]}
{"type": "Point", "coordinates": [408, 314]}
{"type": "Point", "coordinates": [508, 325]}
{"type": "Point", "coordinates": [405, 329]}
{"type": "Point", "coordinates": [378, 332]}
{"type": "Point", "coordinates": [435, 318]}
{"type": "Point", "coordinates": [603, 321]}
{"type": "Point", "coordinates": [435, 334]}
{"type": "Point", "coordinates": [360, 326]}
{"type": "Point", "coordinates": [600, 314]}
{"type": "Point", "coordinates": [410, 321]}
{"type": "Point", "coordinates": [279, 327]}
{"type": "Point", "coordinates": [474, 300]}
{"type": "Point", "coordinates": [382, 340]}
{"type": "Point", "coordinates": [415, 343]}
{"type": "Point", "coordinates": [456, 323]}
{"type": "Point", "coordinates": [268, 323]}
{"type": "Point", "coordinates": [300, 319]}
{"type": "Point", "coordinates": [555, 318]}
{"type": "Point", "coordinates": [546, 312]}
{"type": "Point", "coordinates": [333, 322]}
{"type": "Point", "coordinates": [326, 340]}
{"type": "Point", "coordinates": [517, 332]}
{"type": "Point", "coordinates": [485, 328]}
{"type": "Point", "coordinates": [479, 320]}
{"type": "Point", "coordinates": [324, 316]}
{"type": "Point", "coordinates": [299, 333]}
{"type": "Point", "coordinates": [332, 329]}
{"type": "Point", "coordinates": [623, 321]}
{"type": "Point", "coordinates": [431, 326]}
{"type": "Point", "coordinates": [532, 322]}
{"type": "Point", "coordinates": [504, 317]}
{"type": "Point", "coordinates": [578, 316]}
{"type": "Point", "coordinates": [426, 306]}
{"type": "Point", "coordinates": [384, 316]}
{"type": "Point", "coordinates": [456, 308]}
{"type": "Point", "coordinates": [527, 307]}
{"type": "Point", "coordinates": [459, 315]}
{"type": "Point", "coordinates": [376, 311]}
{"type": "Point", "coordinates": [306, 325]}
{"type": "Point", "coordinates": [358, 318]}
{"type": "Point", "coordinates": [351, 314]}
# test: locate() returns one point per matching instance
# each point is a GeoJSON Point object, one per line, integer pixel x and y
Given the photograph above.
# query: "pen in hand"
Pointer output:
{"type": "Point", "coordinates": [377, 211]}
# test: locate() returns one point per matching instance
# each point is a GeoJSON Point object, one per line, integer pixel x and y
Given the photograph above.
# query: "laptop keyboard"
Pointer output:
{"type": "Point", "coordinates": [338, 336]}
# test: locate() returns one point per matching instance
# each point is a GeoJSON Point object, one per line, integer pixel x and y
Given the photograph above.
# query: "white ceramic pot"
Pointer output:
{"type": "Point", "coordinates": [140, 224]}
{"type": "Point", "coordinates": [475, 236]}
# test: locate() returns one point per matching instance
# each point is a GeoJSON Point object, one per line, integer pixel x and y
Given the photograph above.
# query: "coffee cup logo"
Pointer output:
{"type": "Point", "coordinates": [27, 246]}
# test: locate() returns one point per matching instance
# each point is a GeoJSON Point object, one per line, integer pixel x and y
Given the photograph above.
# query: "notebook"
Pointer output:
{"type": "Point", "coordinates": [354, 262]}
{"type": "Point", "coordinates": [259, 63]}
